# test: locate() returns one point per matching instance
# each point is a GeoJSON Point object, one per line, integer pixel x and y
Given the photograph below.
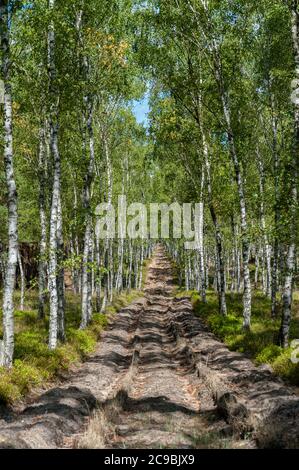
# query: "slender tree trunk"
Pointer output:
{"type": "Point", "coordinates": [98, 281]}
{"type": "Point", "coordinates": [207, 270]}
{"type": "Point", "coordinates": [87, 255]}
{"type": "Point", "coordinates": [119, 279]}
{"type": "Point", "coordinates": [23, 281]}
{"type": "Point", "coordinates": [257, 268]}
{"type": "Point", "coordinates": [239, 280]}
{"type": "Point", "coordinates": [53, 266]}
{"type": "Point", "coordinates": [218, 235]}
{"type": "Point", "coordinates": [75, 250]}
{"type": "Point", "coordinates": [121, 235]}
{"type": "Point", "coordinates": [201, 241]}
{"type": "Point", "coordinates": [129, 280]}
{"type": "Point", "coordinates": [274, 283]}
{"type": "Point", "coordinates": [2, 263]}
{"type": "Point", "coordinates": [109, 243]}
{"type": "Point", "coordinates": [141, 266]}
{"type": "Point", "coordinates": [86, 307]}
{"type": "Point", "coordinates": [87, 134]}
{"type": "Point", "coordinates": [111, 270]}
{"type": "Point", "coordinates": [60, 275]}
{"type": "Point", "coordinates": [267, 247]}
{"type": "Point", "coordinates": [187, 281]}
{"type": "Point", "coordinates": [136, 267]}
{"type": "Point", "coordinates": [54, 216]}
{"type": "Point", "coordinates": [7, 347]}
{"type": "Point", "coordinates": [264, 274]}
{"type": "Point", "coordinates": [42, 264]}
{"type": "Point", "coordinates": [287, 296]}
{"type": "Point", "coordinates": [233, 272]}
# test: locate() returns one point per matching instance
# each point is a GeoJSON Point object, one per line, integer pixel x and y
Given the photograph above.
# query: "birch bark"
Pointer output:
{"type": "Point", "coordinates": [287, 296]}
{"type": "Point", "coordinates": [7, 348]}
{"type": "Point", "coordinates": [218, 236]}
{"type": "Point", "coordinates": [54, 129]}
{"type": "Point", "coordinates": [42, 265]}
{"type": "Point", "coordinates": [22, 276]}
{"type": "Point", "coordinates": [267, 247]}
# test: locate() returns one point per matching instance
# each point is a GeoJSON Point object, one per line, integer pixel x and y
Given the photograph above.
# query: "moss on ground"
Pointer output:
{"type": "Point", "coordinates": [34, 364]}
{"type": "Point", "coordinates": [260, 343]}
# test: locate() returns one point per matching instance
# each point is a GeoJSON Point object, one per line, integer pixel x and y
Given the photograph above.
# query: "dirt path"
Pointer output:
{"type": "Point", "coordinates": [163, 403]}
{"type": "Point", "coordinates": [160, 380]}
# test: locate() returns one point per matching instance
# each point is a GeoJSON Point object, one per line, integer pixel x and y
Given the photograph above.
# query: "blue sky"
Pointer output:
{"type": "Point", "coordinates": [141, 109]}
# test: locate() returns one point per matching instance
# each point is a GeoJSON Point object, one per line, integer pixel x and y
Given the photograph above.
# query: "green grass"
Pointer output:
{"type": "Point", "coordinates": [260, 343]}
{"type": "Point", "coordinates": [34, 364]}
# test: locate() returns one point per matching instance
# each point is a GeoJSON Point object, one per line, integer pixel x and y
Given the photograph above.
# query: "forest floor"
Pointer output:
{"type": "Point", "coordinates": [160, 379]}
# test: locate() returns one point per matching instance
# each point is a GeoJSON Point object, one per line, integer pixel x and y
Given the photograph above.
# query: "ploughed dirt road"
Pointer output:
{"type": "Point", "coordinates": [159, 379]}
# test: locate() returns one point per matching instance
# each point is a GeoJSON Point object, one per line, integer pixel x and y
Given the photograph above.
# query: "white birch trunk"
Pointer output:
{"type": "Point", "coordinates": [87, 255]}
{"type": "Point", "coordinates": [98, 281]}
{"type": "Point", "coordinates": [42, 264]}
{"type": "Point", "coordinates": [22, 277]}
{"type": "Point", "coordinates": [53, 268]}
{"type": "Point", "coordinates": [257, 268]}
{"type": "Point", "coordinates": [274, 278]}
{"type": "Point", "coordinates": [60, 275]}
{"type": "Point", "coordinates": [267, 247]}
{"type": "Point", "coordinates": [287, 296]}
{"type": "Point", "coordinates": [129, 279]}
{"type": "Point", "coordinates": [7, 347]}
{"type": "Point", "coordinates": [201, 242]}
{"type": "Point", "coordinates": [219, 265]}
{"type": "Point", "coordinates": [54, 128]}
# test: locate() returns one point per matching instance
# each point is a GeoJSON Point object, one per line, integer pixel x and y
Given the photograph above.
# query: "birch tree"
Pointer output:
{"type": "Point", "coordinates": [55, 216]}
{"type": "Point", "coordinates": [287, 296]}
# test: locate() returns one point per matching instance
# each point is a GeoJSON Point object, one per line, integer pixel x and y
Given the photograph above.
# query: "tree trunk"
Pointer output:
{"type": "Point", "coordinates": [53, 268]}
{"type": "Point", "coordinates": [87, 255]}
{"type": "Point", "coordinates": [122, 232]}
{"type": "Point", "coordinates": [60, 275]}
{"type": "Point", "coordinates": [7, 348]}
{"type": "Point", "coordinates": [274, 287]}
{"type": "Point", "coordinates": [218, 236]}
{"type": "Point", "coordinates": [201, 241]}
{"type": "Point", "coordinates": [111, 271]}
{"type": "Point", "coordinates": [267, 247]}
{"type": "Point", "coordinates": [42, 265]}
{"type": "Point", "coordinates": [54, 129]}
{"type": "Point", "coordinates": [287, 296]}
{"type": "Point", "coordinates": [98, 280]}
{"type": "Point", "coordinates": [257, 268]}
{"type": "Point", "coordinates": [109, 243]}
{"type": "Point", "coordinates": [187, 285]}
{"type": "Point", "coordinates": [141, 266]}
{"type": "Point", "coordinates": [129, 278]}
{"type": "Point", "coordinates": [22, 277]}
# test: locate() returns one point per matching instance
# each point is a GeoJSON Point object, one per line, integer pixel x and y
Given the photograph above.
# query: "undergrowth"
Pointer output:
{"type": "Point", "coordinates": [260, 344]}
{"type": "Point", "coordinates": [34, 364]}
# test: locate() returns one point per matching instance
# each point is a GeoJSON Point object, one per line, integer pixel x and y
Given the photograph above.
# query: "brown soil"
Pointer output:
{"type": "Point", "coordinates": [160, 380]}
